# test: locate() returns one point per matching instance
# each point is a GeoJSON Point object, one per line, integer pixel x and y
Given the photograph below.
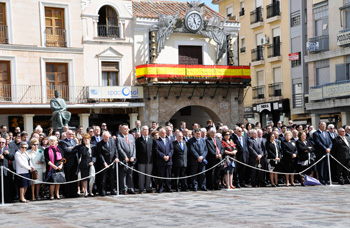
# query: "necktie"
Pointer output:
{"type": "Point", "coordinates": [98, 139]}
{"type": "Point", "coordinates": [324, 134]}
{"type": "Point", "coordinates": [346, 141]}
{"type": "Point", "coordinates": [182, 147]}
{"type": "Point", "coordinates": [127, 140]}
{"type": "Point", "coordinates": [145, 138]}
{"type": "Point", "coordinates": [107, 144]}
{"type": "Point", "coordinates": [240, 141]}
{"type": "Point", "coordinates": [164, 140]}
{"type": "Point", "coordinates": [216, 145]}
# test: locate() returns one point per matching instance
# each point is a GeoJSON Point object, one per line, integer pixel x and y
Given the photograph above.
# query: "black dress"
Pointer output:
{"type": "Point", "coordinates": [304, 155]}
{"type": "Point", "coordinates": [289, 163]}
{"type": "Point", "coordinates": [86, 156]}
{"type": "Point", "coordinates": [273, 152]}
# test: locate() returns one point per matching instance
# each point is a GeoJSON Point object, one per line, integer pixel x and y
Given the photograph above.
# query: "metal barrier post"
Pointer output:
{"type": "Point", "coordinates": [117, 177]}
{"type": "Point", "coordinates": [2, 189]}
{"type": "Point", "coordinates": [329, 169]}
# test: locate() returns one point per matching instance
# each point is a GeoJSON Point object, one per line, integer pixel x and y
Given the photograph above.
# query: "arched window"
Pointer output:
{"type": "Point", "coordinates": [108, 22]}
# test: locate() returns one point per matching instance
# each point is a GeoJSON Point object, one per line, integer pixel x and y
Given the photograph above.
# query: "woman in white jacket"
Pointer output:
{"type": "Point", "coordinates": [23, 168]}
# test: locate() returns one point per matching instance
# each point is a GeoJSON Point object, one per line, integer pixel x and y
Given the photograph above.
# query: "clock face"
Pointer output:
{"type": "Point", "coordinates": [193, 21]}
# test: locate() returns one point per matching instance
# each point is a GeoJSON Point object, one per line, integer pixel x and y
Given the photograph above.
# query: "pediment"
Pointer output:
{"type": "Point", "coordinates": [110, 52]}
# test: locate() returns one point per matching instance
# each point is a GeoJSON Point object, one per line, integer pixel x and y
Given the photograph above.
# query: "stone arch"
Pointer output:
{"type": "Point", "coordinates": [110, 4]}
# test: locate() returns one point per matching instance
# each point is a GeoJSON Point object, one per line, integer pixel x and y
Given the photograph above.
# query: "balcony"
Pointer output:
{"type": "Point", "coordinates": [4, 34]}
{"type": "Point", "coordinates": [318, 44]}
{"type": "Point", "coordinates": [343, 38]}
{"type": "Point", "coordinates": [273, 12]}
{"type": "Point", "coordinates": [176, 73]}
{"type": "Point", "coordinates": [55, 37]}
{"type": "Point", "coordinates": [256, 18]}
{"type": "Point", "coordinates": [257, 56]}
{"type": "Point", "coordinates": [274, 52]}
{"type": "Point", "coordinates": [258, 92]}
{"type": "Point", "coordinates": [330, 91]}
{"type": "Point", "coordinates": [275, 89]}
{"type": "Point", "coordinates": [242, 49]}
{"type": "Point", "coordinates": [298, 100]}
{"type": "Point", "coordinates": [242, 12]}
{"type": "Point", "coordinates": [37, 94]}
{"type": "Point", "coordinates": [110, 31]}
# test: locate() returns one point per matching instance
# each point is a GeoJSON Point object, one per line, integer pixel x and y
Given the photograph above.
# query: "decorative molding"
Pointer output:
{"type": "Point", "coordinates": [128, 7]}
{"type": "Point", "coordinates": [17, 47]}
{"type": "Point", "coordinates": [84, 4]}
{"type": "Point", "coordinates": [110, 52]}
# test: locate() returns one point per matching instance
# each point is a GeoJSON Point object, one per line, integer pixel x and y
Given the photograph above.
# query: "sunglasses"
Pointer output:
{"type": "Point", "coordinates": [24, 147]}
{"type": "Point", "coordinates": [36, 144]}
{"type": "Point", "coordinates": [2, 142]}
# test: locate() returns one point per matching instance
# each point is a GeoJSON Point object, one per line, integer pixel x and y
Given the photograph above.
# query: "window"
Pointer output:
{"type": "Point", "coordinates": [190, 55]}
{"type": "Point", "coordinates": [322, 72]}
{"type": "Point", "coordinates": [229, 11]}
{"type": "Point", "coordinates": [295, 19]}
{"type": "Point", "coordinates": [277, 74]}
{"type": "Point", "coordinates": [296, 63]}
{"type": "Point", "coordinates": [297, 95]}
{"type": "Point", "coordinates": [3, 26]}
{"type": "Point", "coordinates": [296, 47]}
{"type": "Point", "coordinates": [347, 17]}
{"type": "Point", "coordinates": [243, 49]}
{"type": "Point", "coordinates": [259, 90]}
{"type": "Point", "coordinates": [241, 9]}
{"type": "Point", "coordinates": [5, 81]}
{"type": "Point", "coordinates": [54, 27]}
{"type": "Point", "coordinates": [108, 22]}
{"type": "Point", "coordinates": [110, 73]}
{"type": "Point", "coordinates": [57, 79]}
{"type": "Point", "coordinates": [342, 72]}
{"type": "Point", "coordinates": [260, 79]}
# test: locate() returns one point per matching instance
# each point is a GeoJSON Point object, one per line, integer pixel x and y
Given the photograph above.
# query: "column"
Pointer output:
{"type": "Point", "coordinates": [133, 118]}
{"type": "Point", "coordinates": [345, 118]}
{"type": "Point", "coordinates": [28, 123]}
{"type": "Point", "coordinates": [84, 120]}
{"type": "Point", "coordinates": [315, 120]}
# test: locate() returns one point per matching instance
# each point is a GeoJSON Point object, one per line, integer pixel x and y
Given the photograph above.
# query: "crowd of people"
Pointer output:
{"type": "Point", "coordinates": [204, 154]}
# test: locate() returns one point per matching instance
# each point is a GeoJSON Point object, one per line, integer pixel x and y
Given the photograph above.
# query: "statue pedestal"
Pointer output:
{"type": "Point", "coordinates": [70, 128]}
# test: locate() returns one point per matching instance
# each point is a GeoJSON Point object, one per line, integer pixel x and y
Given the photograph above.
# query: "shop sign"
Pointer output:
{"type": "Point", "coordinates": [115, 92]}
{"type": "Point", "coordinates": [315, 94]}
{"type": "Point", "coordinates": [343, 38]}
{"type": "Point", "coordinates": [337, 90]}
{"type": "Point", "coordinates": [262, 107]}
{"type": "Point", "coordinates": [294, 56]}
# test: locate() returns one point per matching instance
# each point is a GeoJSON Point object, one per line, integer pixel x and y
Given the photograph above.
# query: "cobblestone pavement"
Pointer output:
{"type": "Point", "coordinates": [321, 206]}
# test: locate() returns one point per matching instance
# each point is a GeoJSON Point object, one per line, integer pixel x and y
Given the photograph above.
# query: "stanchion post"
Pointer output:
{"type": "Point", "coordinates": [2, 186]}
{"type": "Point", "coordinates": [329, 169]}
{"type": "Point", "coordinates": [117, 173]}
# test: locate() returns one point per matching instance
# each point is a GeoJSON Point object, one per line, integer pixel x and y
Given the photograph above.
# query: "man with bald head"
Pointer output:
{"type": "Point", "coordinates": [71, 166]}
{"type": "Point", "coordinates": [5, 157]}
{"type": "Point", "coordinates": [341, 151]}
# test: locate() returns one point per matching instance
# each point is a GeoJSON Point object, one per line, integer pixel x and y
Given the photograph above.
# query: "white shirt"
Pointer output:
{"type": "Point", "coordinates": [22, 166]}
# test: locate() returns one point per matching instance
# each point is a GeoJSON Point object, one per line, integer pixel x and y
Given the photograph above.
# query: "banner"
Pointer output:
{"type": "Point", "coordinates": [343, 38]}
{"type": "Point", "coordinates": [115, 92]}
{"type": "Point", "coordinates": [294, 56]}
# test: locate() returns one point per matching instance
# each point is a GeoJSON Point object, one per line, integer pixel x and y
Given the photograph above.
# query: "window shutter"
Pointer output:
{"type": "Point", "coordinates": [340, 72]}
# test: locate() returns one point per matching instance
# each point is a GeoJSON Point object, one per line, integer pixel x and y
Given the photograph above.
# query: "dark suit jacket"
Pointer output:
{"type": "Point", "coordinates": [334, 135]}
{"type": "Point", "coordinates": [106, 154]}
{"type": "Point", "coordinates": [303, 150]}
{"type": "Point", "coordinates": [162, 150]}
{"type": "Point", "coordinates": [288, 150]}
{"type": "Point", "coordinates": [7, 157]}
{"type": "Point", "coordinates": [83, 153]}
{"type": "Point", "coordinates": [340, 150]}
{"type": "Point", "coordinates": [254, 150]}
{"type": "Point", "coordinates": [242, 152]}
{"type": "Point", "coordinates": [70, 154]}
{"type": "Point", "coordinates": [212, 152]}
{"type": "Point", "coordinates": [144, 150]}
{"type": "Point", "coordinates": [124, 148]}
{"type": "Point", "coordinates": [197, 148]}
{"type": "Point", "coordinates": [180, 156]}
{"type": "Point", "coordinates": [94, 140]}
{"type": "Point", "coordinates": [271, 150]}
{"type": "Point", "coordinates": [321, 143]}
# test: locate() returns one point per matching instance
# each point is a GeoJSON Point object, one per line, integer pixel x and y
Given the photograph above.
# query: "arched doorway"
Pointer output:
{"type": "Point", "coordinates": [108, 22]}
{"type": "Point", "coordinates": [194, 114]}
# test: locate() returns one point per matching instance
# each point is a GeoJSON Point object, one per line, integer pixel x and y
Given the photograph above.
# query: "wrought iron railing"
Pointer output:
{"type": "Point", "coordinates": [274, 50]}
{"type": "Point", "coordinates": [257, 53]}
{"type": "Point", "coordinates": [273, 10]}
{"type": "Point", "coordinates": [55, 37]}
{"type": "Point", "coordinates": [108, 31]}
{"type": "Point", "coordinates": [319, 43]}
{"type": "Point", "coordinates": [275, 89]}
{"type": "Point", "coordinates": [242, 49]}
{"type": "Point", "coordinates": [256, 15]}
{"type": "Point", "coordinates": [242, 12]}
{"type": "Point", "coordinates": [4, 34]}
{"type": "Point", "coordinates": [298, 100]}
{"type": "Point", "coordinates": [258, 92]}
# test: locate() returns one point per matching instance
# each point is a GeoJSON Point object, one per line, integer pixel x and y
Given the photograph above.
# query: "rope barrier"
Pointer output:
{"type": "Point", "coordinates": [69, 182]}
{"type": "Point", "coordinates": [172, 178]}
{"type": "Point", "coordinates": [267, 171]}
{"type": "Point", "coordinates": [340, 163]}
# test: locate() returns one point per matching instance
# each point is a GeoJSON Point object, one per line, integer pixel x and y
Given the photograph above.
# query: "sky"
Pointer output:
{"type": "Point", "coordinates": [207, 2]}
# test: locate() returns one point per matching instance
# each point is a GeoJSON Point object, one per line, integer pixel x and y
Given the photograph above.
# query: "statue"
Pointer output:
{"type": "Point", "coordinates": [60, 115]}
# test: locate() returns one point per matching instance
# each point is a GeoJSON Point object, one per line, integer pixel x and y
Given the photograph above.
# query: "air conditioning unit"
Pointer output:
{"type": "Point", "coordinates": [265, 40]}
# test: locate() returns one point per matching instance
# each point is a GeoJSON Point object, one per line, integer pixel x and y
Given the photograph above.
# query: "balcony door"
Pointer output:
{"type": "Point", "coordinates": [190, 55]}
{"type": "Point", "coordinates": [54, 27]}
{"type": "Point", "coordinates": [5, 81]}
{"type": "Point", "coordinates": [108, 22]}
{"type": "Point", "coordinates": [3, 26]}
{"type": "Point", "coordinates": [57, 79]}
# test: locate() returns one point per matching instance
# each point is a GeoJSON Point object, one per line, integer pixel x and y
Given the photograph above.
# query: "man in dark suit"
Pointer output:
{"type": "Point", "coordinates": [283, 130]}
{"type": "Point", "coordinates": [163, 160]}
{"type": "Point", "coordinates": [97, 136]}
{"type": "Point", "coordinates": [323, 146]}
{"type": "Point", "coordinates": [144, 156]}
{"type": "Point", "coordinates": [5, 158]}
{"type": "Point", "coordinates": [107, 153]}
{"type": "Point", "coordinates": [197, 160]}
{"type": "Point", "coordinates": [215, 154]}
{"type": "Point", "coordinates": [127, 153]}
{"type": "Point", "coordinates": [331, 131]}
{"type": "Point", "coordinates": [180, 161]}
{"type": "Point", "coordinates": [263, 160]}
{"type": "Point", "coordinates": [137, 126]}
{"type": "Point", "coordinates": [169, 133]}
{"type": "Point", "coordinates": [255, 158]}
{"type": "Point", "coordinates": [242, 156]}
{"type": "Point", "coordinates": [71, 166]}
{"type": "Point", "coordinates": [347, 131]}
{"type": "Point", "coordinates": [341, 151]}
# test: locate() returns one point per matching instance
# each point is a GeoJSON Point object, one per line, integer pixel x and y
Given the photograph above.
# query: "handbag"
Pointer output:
{"type": "Point", "coordinates": [35, 175]}
{"type": "Point", "coordinates": [58, 177]}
